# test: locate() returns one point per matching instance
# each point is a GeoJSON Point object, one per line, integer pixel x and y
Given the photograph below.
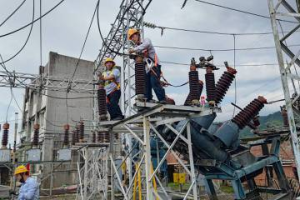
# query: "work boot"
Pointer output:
{"type": "Point", "coordinates": [117, 118]}
{"type": "Point", "coordinates": [162, 102]}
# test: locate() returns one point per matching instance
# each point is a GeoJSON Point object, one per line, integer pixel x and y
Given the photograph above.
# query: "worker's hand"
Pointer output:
{"type": "Point", "coordinates": [131, 51]}
{"type": "Point", "coordinates": [101, 77]}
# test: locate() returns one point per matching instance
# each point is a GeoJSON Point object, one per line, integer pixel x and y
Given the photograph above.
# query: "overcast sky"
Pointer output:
{"type": "Point", "coordinates": [64, 30]}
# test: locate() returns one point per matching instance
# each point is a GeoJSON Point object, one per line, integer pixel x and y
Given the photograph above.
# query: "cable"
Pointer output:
{"type": "Point", "coordinates": [53, 97]}
{"type": "Point", "coordinates": [220, 50]}
{"type": "Point", "coordinates": [101, 35]}
{"type": "Point", "coordinates": [85, 40]}
{"type": "Point", "coordinates": [41, 38]}
{"type": "Point", "coordinates": [12, 13]}
{"type": "Point", "coordinates": [153, 26]}
{"type": "Point", "coordinates": [11, 98]}
{"type": "Point", "coordinates": [219, 65]}
{"type": "Point", "coordinates": [16, 101]}
{"type": "Point", "coordinates": [242, 11]}
{"type": "Point", "coordinates": [25, 26]}
{"type": "Point", "coordinates": [27, 39]}
{"type": "Point", "coordinates": [235, 80]}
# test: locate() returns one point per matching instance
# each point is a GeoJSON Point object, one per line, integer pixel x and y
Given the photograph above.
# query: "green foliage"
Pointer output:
{"type": "Point", "coordinates": [270, 121]}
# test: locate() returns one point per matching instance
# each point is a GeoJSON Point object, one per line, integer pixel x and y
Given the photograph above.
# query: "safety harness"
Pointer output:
{"type": "Point", "coordinates": [105, 74]}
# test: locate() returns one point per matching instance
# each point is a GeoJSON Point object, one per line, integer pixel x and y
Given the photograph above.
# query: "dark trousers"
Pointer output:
{"type": "Point", "coordinates": [153, 82]}
{"type": "Point", "coordinates": [113, 104]}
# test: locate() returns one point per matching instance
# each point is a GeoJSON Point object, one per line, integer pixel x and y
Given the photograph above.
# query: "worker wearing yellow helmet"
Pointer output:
{"type": "Point", "coordinates": [154, 73]}
{"type": "Point", "coordinates": [29, 187]}
{"type": "Point", "coordinates": [112, 77]}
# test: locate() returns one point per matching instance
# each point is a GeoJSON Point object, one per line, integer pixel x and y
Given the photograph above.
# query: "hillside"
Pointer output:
{"type": "Point", "coordinates": [270, 121]}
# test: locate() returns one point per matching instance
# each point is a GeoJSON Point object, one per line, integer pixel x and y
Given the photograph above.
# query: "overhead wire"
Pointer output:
{"type": "Point", "coordinates": [220, 50]}
{"type": "Point", "coordinates": [85, 40]}
{"type": "Point", "coordinates": [242, 11]}
{"type": "Point", "coordinates": [7, 18]}
{"type": "Point", "coordinates": [27, 39]}
{"type": "Point", "coordinates": [235, 80]}
{"type": "Point", "coordinates": [153, 26]}
{"type": "Point", "coordinates": [41, 35]}
{"type": "Point", "coordinates": [25, 26]}
{"type": "Point", "coordinates": [222, 65]}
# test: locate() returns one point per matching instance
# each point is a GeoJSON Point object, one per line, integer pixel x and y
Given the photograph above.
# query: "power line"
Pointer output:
{"type": "Point", "coordinates": [7, 18]}
{"type": "Point", "coordinates": [54, 97]}
{"type": "Point", "coordinates": [25, 26]}
{"type": "Point", "coordinates": [221, 50]}
{"type": "Point", "coordinates": [27, 39]}
{"type": "Point", "coordinates": [153, 26]}
{"type": "Point", "coordinates": [85, 40]}
{"type": "Point", "coordinates": [219, 65]}
{"type": "Point", "coordinates": [41, 34]}
{"type": "Point", "coordinates": [242, 11]}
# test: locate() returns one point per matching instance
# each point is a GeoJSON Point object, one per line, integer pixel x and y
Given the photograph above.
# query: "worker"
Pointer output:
{"type": "Point", "coordinates": [111, 78]}
{"type": "Point", "coordinates": [153, 74]}
{"type": "Point", "coordinates": [29, 187]}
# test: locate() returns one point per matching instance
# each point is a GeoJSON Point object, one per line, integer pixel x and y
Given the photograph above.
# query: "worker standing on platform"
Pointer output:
{"type": "Point", "coordinates": [29, 187]}
{"type": "Point", "coordinates": [111, 77]}
{"type": "Point", "coordinates": [153, 73]}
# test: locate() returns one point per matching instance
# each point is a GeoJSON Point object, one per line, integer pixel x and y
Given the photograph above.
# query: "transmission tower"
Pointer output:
{"type": "Point", "coordinates": [279, 8]}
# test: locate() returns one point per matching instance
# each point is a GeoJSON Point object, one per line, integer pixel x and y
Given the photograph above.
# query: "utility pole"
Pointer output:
{"type": "Point", "coordinates": [284, 52]}
{"type": "Point", "coordinates": [13, 182]}
{"type": "Point", "coordinates": [298, 5]}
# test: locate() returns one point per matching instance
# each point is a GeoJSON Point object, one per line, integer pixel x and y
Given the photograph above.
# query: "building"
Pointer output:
{"type": "Point", "coordinates": [52, 110]}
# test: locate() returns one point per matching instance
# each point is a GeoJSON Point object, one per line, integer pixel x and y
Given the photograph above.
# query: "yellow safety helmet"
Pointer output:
{"type": "Point", "coordinates": [109, 60]}
{"type": "Point", "coordinates": [131, 32]}
{"type": "Point", "coordinates": [21, 169]}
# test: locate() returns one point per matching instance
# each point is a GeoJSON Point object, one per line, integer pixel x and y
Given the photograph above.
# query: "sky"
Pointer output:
{"type": "Point", "coordinates": [65, 28]}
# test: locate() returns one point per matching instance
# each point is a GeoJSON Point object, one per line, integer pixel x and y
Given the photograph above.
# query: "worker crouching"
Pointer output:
{"type": "Point", "coordinates": [111, 78]}
{"type": "Point", "coordinates": [153, 73]}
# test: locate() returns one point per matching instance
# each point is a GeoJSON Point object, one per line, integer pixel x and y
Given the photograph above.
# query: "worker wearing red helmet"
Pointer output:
{"type": "Point", "coordinates": [153, 75]}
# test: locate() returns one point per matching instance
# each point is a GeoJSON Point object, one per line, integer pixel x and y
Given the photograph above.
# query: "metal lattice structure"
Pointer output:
{"type": "Point", "coordinates": [142, 127]}
{"type": "Point", "coordinates": [93, 173]}
{"type": "Point", "coordinates": [279, 8]}
{"type": "Point", "coordinates": [130, 15]}
{"type": "Point", "coordinates": [44, 82]}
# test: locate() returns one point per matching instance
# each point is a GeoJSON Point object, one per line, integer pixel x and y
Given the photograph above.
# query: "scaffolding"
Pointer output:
{"type": "Point", "coordinates": [281, 8]}
{"type": "Point", "coordinates": [141, 127]}
{"type": "Point", "coordinates": [93, 171]}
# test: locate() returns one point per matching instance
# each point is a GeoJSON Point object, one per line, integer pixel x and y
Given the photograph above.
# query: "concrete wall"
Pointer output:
{"type": "Point", "coordinates": [52, 111]}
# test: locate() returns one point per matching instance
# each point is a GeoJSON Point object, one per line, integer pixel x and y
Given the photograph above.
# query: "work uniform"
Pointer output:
{"type": "Point", "coordinates": [112, 88]}
{"type": "Point", "coordinates": [29, 190]}
{"type": "Point", "coordinates": [152, 76]}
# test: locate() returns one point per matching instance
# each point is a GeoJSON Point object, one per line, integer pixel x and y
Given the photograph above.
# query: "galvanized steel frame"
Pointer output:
{"type": "Point", "coordinates": [284, 52]}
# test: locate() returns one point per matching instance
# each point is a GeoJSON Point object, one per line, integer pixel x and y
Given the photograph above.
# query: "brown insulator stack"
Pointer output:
{"type": "Point", "coordinates": [189, 100]}
{"type": "Point", "coordinates": [66, 135]}
{"type": "Point", "coordinates": [93, 137]}
{"type": "Point", "coordinates": [194, 85]}
{"type": "Point", "coordinates": [210, 85]}
{"type": "Point", "coordinates": [77, 134]}
{"type": "Point", "coordinates": [105, 137]}
{"type": "Point", "coordinates": [248, 113]}
{"type": "Point", "coordinates": [81, 131]}
{"type": "Point", "coordinates": [256, 121]}
{"type": "Point", "coordinates": [73, 137]}
{"type": "Point", "coordinates": [5, 135]}
{"type": "Point", "coordinates": [102, 108]}
{"type": "Point", "coordinates": [140, 77]}
{"type": "Point", "coordinates": [224, 83]}
{"type": "Point", "coordinates": [36, 135]}
{"type": "Point", "coordinates": [284, 117]}
{"type": "Point", "coordinates": [99, 137]}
